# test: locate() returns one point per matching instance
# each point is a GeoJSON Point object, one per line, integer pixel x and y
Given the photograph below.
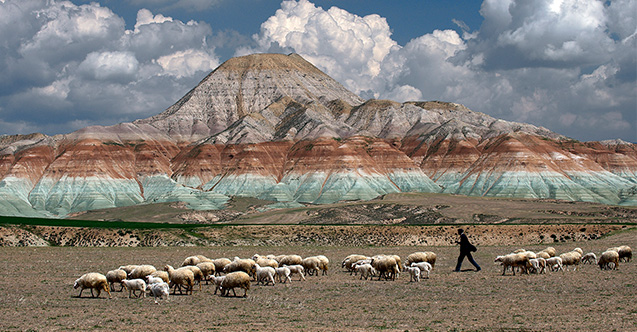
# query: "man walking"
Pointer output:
{"type": "Point", "coordinates": [465, 251]}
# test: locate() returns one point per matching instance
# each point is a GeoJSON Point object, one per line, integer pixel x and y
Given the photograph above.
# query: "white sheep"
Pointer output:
{"type": "Point", "coordinates": [589, 258]}
{"type": "Point", "coordinates": [216, 280]}
{"type": "Point", "coordinates": [220, 264]}
{"type": "Point", "coordinates": [283, 274]}
{"type": "Point", "coordinates": [207, 269]}
{"type": "Point", "coordinates": [116, 276]}
{"type": "Point", "coordinates": [297, 269]}
{"type": "Point", "coordinates": [161, 274]}
{"type": "Point", "coordinates": [160, 290]}
{"type": "Point", "coordinates": [324, 264]}
{"type": "Point", "coordinates": [414, 272]}
{"type": "Point", "coordinates": [422, 256]}
{"type": "Point", "coordinates": [141, 271]}
{"type": "Point", "coordinates": [134, 285]}
{"type": "Point", "coordinates": [264, 274]}
{"type": "Point", "coordinates": [625, 253]}
{"type": "Point", "coordinates": [366, 270]}
{"type": "Point", "coordinates": [92, 281]}
{"type": "Point", "coordinates": [572, 258]}
{"type": "Point", "coordinates": [424, 268]}
{"type": "Point", "coordinates": [291, 260]}
{"type": "Point", "coordinates": [127, 268]}
{"type": "Point", "coordinates": [537, 265]}
{"type": "Point", "coordinates": [311, 265]}
{"type": "Point", "coordinates": [555, 263]}
{"type": "Point", "coordinates": [194, 260]}
{"type": "Point", "coordinates": [153, 280]}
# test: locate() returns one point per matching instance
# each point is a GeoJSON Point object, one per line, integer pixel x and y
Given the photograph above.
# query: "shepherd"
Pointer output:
{"type": "Point", "coordinates": [466, 248]}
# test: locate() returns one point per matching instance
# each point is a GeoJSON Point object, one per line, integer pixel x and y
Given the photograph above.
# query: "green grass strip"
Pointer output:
{"type": "Point", "coordinates": [95, 223]}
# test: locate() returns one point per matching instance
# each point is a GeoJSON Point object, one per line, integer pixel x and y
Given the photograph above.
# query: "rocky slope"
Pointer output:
{"type": "Point", "coordinates": [275, 127]}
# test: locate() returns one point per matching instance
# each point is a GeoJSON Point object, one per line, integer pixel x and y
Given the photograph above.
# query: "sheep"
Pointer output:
{"type": "Point", "coordinates": [207, 269]}
{"type": "Point", "coordinates": [127, 268]}
{"type": "Point", "coordinates": [625, 252]}
{"type": "Point", "coordinates": [161, 290]}
{"type": "Point", "coordinates": [571, 258]}
{"type": "Point", "coordinates": [386, 266]}
{"type": "Point", "coordinates": [355, 266]}
{"type": "Point", "coordinates": [608, 257]}
{"type": "Point", "coordinates": [424, 267]}
{"type": "Point", "coordinates": [135, 285]}
{"type": "Point", "coordinates": [366, 270]}
{"type": "Point", "coordinates": [245, 265]}
{"type": "Point", "coordinates": [589, 258]}
{"type": "Point", "coordinates": [181, 277]}
{"type": "Point", "coordinates": [414, 272]}
{"type": "Point", "coordinates": [194, 260]}
{"type": "Point", "coordinates": [233, 280]}
{"type": "Point", "coordinates": [291, 260]}
{"type": "Point", "coordinates": [297, 269]}
{"type": "Point", "coordinates": [399, 262]}
{"type": "Point", "coordinates": [555, 263]}
{"type": "Point", "coordinates": [220, 263]}
{"type": "Point", "coordinates": [264, 274]}
{"type": "Point", "coordinates": [161, 274]}
{"type": "Point", "coordinates": [141, 271]}
{"type": "Point", "coordinates": [92, 280]}
{"type": "Point", "coordinates": [283, 274]}
{"type": "Point", "coordinates": [537, 265]}
{"type": "Point", "coordinates": [196, 272]}
{"type": "Point", "coordinates": [324, 264]}
{"type": "Point", "coordinates": [542, 254]}
{"type": "Point", "coordinates": [513, 261]}
{"type": "Point", "coordinates": [551, 251]}
{"type": "Point", "coordinates": [216, 280]}
{"type": "Point", "coordinates": [264, 261]}
{"type": "Point", "coordinates": [422, 256]}
{"type": "Point", "coordinates": [350, 260]}
{"type": "Point", "coordinates": [311, 265]}
{"type": "Point", "coordinates": [153, 280]}
{"type": "Point", "coordinates": [116, 276]}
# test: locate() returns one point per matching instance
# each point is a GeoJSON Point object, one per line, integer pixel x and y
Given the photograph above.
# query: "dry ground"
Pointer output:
{"type": "Point", "coordinates": [37, 294]}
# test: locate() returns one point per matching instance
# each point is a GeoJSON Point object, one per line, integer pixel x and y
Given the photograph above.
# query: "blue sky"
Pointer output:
{"type": "Point", "coordinates": [567, 65]}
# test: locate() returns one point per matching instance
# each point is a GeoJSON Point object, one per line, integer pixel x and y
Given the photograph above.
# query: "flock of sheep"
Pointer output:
{"type": "Point", "coordinates": [547, 259]}
{"type": "Point", "coordinates": [239, 273]}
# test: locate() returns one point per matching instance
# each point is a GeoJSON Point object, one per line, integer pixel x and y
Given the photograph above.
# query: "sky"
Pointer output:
{"type": "Point", "coordinates": [566, 65]}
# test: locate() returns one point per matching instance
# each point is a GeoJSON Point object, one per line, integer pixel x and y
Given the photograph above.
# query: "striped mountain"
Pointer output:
{"type": "Point", "coordinates": [275, 127]}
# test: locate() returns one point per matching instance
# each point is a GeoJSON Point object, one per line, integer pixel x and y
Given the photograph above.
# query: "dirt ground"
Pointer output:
{"type": "Point", "coordinates": [37, 294]}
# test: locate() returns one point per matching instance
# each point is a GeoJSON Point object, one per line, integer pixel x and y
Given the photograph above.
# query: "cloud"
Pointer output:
{"type": "Point", "coordinates": [66, 66]}
{"type": "Point", "coordinates": [568, 65]}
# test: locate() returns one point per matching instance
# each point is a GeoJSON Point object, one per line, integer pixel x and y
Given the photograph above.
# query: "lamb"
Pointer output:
{"type": "Point", "coordinates": [625, 252]}
{"type": "Point", "coordinates": [589, 258]}
{"type": "Point", "coordinates": [153, 280]}
{"type": "Point", "coordinates": [386, 266]}
{"type": "Point", "coordinates": [537, 265]}
{"type": "Point", "coordinates": [422, 256]}
{"type": "Point", "coordinates": [264, 274]}
{"type": "Point", "coordinates": [233, 280]}
{"type": "Point", "coordinates": [291, 260]}
{"type": "Point", "coordinates": [135, 285]}
{"type": "Point", "coordinates": [349, 261]}
{"type": "Point", "coordinates": [217, 282]}
{"type": "Point", "coordinates": [207, 269]}
{"type": "Point", "coordinates": [220, 264]}
{"type": "Point", "coordinates": [141, 271]}
{"type": "Point", "coordinates": [283, 274]}
{"type": "Point", "coordinates": [297, 269]}
{"type": "Point", "coordinates": [116, 276]}
{"type": "Point", "coordinates": [366, 270]}
{"type": "Point", "coordinates": [608, 257]}
{"type": "Point", "coordinates": [161, 290]}
{"type": "Point", "coordinates": [92, 280]}
{"type": "Point", "coordinates": [555, 263]}
{"type": "Point", "coordinates": [194, 260]}
{"type": "Point", "coordinates": [424, 267]}
{"type": "Point", "coordinates": [245, 265]}
{"type": "Point", "coordinates": [181, 277]}
{"type": "Point", "coordinates": [513, 261]}
{"type": "Point", "coordinates": [414, 272]}
{"type": "Point", "coordinates": [311, 265]}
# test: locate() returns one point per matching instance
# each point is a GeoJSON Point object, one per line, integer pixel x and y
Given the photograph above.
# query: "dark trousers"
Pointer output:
{"type": "Point", "coordinates": [471, 260]}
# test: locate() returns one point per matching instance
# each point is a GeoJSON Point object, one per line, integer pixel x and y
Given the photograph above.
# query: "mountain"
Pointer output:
{"type": "Point", "coordinates": [275, 127]}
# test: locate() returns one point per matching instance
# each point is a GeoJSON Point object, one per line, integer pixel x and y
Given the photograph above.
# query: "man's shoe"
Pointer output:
{"type": "Point", "coordinates": [478, 269]}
